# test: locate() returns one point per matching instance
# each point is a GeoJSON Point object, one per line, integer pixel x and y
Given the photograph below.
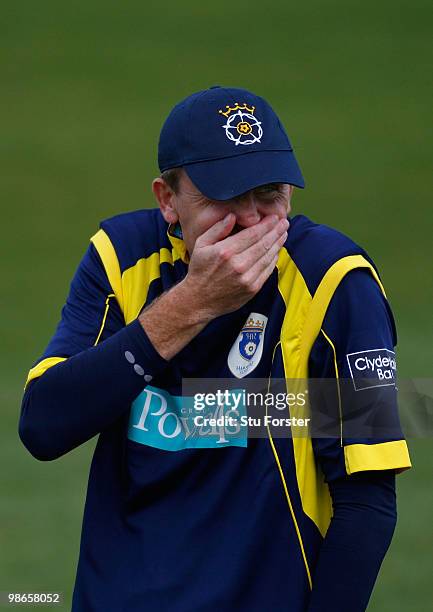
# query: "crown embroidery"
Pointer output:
{"type": "Point", "coordinates": [242, 127]}
{"type": "Point", "coordinates": [237, 106]}
{"type": "Point", "coordinates": [254, 325]}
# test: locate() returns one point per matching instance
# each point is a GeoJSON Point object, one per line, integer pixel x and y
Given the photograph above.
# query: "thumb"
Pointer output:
{"type": "Point", "coordinates": [218, 231]}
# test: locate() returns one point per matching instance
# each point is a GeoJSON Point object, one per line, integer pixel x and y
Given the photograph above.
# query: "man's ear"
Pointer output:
{"type": "Point", "coordinates": [289, 199]}
{"type": "Point", "coordinates": [166, 198]}
{"type": "Point", "coordinates": [291, 190]}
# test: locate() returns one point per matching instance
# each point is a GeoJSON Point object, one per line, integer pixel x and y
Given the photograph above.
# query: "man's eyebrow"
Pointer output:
{"type": "Point", "coordinates": [269, 187]}
{"type": "Point", "coordinates": [265, 187]}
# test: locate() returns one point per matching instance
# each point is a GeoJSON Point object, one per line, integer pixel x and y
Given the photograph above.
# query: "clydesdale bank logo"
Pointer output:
{"type": "Point", "coordinates": [373, 368]}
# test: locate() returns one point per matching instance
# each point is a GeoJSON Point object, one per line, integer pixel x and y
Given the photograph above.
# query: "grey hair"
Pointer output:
{"type": "Point", "coordinates": [172, 177]}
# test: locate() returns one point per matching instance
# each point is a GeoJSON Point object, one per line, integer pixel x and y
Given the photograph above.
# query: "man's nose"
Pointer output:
{"type": "Point", "coordinates": [246, 211]}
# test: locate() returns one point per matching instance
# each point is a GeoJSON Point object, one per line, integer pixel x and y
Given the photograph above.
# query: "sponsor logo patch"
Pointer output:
{"type": "Point", "coordinates": [167, 421]}
{"type": "Point", "coordinates": [373, 368]}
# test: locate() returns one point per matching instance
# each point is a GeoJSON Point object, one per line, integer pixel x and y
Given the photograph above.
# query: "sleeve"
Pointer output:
{"type": "Point", "coordinates": [354, 355]}
{"type": "Point", "coordinates": [363, 523]}
{"type": "Point", "coordinates": [90, 314]}
{"type": "Point", "coordinates": [92, 369]}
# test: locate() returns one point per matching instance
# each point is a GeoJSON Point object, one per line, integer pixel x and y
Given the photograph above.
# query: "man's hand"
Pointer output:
{"type": "Point", "coordinates": [225, 272]}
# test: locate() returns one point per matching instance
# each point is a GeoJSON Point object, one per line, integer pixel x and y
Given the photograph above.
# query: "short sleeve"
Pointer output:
{"type": "Point", "coordinates": [90, 314]}
{"type": "Point", "coordinates": [355, 353]}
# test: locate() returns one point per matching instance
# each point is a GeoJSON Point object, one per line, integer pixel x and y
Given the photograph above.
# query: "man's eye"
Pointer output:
{"type": "Point", "coordinates": [271, 189]}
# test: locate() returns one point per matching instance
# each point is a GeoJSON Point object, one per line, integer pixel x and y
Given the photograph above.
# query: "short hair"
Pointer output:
{"type": "Point", "coordinates": [172, 177]}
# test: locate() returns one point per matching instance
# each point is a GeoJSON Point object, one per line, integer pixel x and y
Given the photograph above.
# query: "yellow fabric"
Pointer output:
{"type": "Point", "coordinates": [42, 367]}
{"type": "Point", "coordinates": [137, 279]}
{"type": "Point", "coordinates": [178, 245]}
{"type": "Point", "coordinates": [383, 456]}
{"type": "Point", "coordinates": [301, 326]}
{"type": "Point", "coordinates": [323, 295]}
{"type": "Point", "coordinates": [314, 493]}
{"type": "Point", "coordinates": [290, 505]}
{"type": "Point", "coordinates": [108, 256]}
{"type": "Point", "coordinates": [337, 376]}
{"type": "Point", "coordinates": [132, 286]}
{"type": "Point", "coordinates": [104, 318]}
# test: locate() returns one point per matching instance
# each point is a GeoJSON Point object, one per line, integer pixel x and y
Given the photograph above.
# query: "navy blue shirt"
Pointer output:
{"type": "Point", "coordinates": [175, 527]}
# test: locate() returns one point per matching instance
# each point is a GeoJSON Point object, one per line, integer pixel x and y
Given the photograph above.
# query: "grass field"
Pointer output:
{"type": "Point", "coordinates": [85, 88]}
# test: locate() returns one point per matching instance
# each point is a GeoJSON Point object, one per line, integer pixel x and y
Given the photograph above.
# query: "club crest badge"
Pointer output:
{"type": "Point", "coordinates": [247, 349]}
{"type": "Point", "coordinates": [242, 127]}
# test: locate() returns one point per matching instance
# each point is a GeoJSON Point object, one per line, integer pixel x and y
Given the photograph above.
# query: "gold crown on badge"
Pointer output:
{"type": "Point", "coordinates": [237, 107]}
{"type": "Point", "coordinates": [254, 325]}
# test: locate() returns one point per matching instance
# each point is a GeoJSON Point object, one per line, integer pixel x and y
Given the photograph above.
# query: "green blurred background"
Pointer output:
{"type": "Point", "coordinates": [85, 88]}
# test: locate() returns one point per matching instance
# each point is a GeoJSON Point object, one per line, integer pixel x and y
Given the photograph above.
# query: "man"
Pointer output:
{"type": "Point", "coordinates": [185, 523]}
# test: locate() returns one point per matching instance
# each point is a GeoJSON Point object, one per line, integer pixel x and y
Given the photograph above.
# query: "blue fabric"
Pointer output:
{"type": "Point", "coordinates": [229, 141]}
{"type": "Point", "coordinates": [146, 231]}
{"type": "Point", "coordinates": [364, 519]}
{"type": "Point", "coordinates": [83, 312]}
{"type": "Point", "coordinates": [358, 319]}
{"type": "Point", "coordinates": [315, 247]}
{"type": "Point", "coordinates": [80, 397]}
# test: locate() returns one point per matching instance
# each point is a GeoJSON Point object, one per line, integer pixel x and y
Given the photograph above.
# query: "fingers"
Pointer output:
{"type": "Point", "coordinates": [265, 272]}
{"type": "Point", "coordinates": [227, 273]}
{"type": "Point", "coordinates": [263, 277]}
{"type": "Point", "coordinates": [260, 248]}
{"type": "Point", "coordinates": [251, 235]}
{"type": "Point", "coordinates": [217, 232]}
{"type": "Point", "coordinates": [265, 264]}
{"type": "Point", "coordinates": [266, 247]}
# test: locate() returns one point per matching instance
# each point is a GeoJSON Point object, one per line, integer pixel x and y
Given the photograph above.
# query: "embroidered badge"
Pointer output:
{"type": "Point", "coordinates": [242, 127]}
{"type": "Point", "coordinates": [247, 349]}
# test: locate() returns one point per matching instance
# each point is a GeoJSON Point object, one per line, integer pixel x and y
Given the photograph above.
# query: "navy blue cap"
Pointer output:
{"type": "Point", "coordinates": [229, 141]}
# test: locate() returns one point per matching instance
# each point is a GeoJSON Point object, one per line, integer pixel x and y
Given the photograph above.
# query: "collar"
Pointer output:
{"type": "Point", "coordinates": [174, 233]}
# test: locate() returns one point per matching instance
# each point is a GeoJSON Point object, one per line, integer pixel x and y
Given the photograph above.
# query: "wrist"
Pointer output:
{"type": "Point", "coordinates": [188, 299]}
{"type": "Point", "coordinates": [173, 320]}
